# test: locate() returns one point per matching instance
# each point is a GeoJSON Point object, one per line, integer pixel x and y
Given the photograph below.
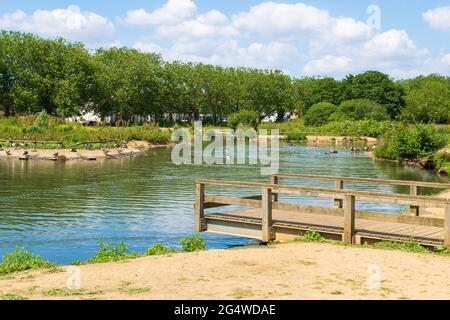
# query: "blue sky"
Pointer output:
{"type": "Point", "coordinates": [325, 38]}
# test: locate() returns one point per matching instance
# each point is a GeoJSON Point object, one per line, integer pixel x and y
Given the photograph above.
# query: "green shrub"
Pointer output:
{"type": "Point", "coordinates": [319, 114]}
{"type": "Point", "coordinates": [311, 236]}
{"type": "Point", "coordinates": [159, 249]}
{"type": "Point", "coordinates": [359, 109]}
{"type": "Point", "coordinates": [297, 135]}
{"type": "Point", "coordinates": [411, 142]}
{"type": "Point", "coordinates": [42, 120]}
{"type": "Point", "coordinates": [244, 117]}
{"type": "Point", "coordinates": [20, 260]}
{"type": "Point", "coordinates": [112, 252]}
{"type": "Point", "coordinates": [193, 243]}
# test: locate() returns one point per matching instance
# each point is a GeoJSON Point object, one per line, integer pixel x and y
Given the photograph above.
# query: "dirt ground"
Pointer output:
{"type": "Point", "coordinates": [282, 271]}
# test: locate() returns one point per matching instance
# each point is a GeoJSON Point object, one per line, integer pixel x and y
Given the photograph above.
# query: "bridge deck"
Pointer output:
{"type": "Point", "coordinates": [248, 223]}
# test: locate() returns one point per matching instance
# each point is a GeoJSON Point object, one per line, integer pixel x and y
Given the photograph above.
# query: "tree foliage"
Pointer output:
{"type": "Point", "coordinates": [427, 99]}
{"type": "Point", "coordinates": [319, 114]}
{"type": "Point", "coordinates": [66, 79]}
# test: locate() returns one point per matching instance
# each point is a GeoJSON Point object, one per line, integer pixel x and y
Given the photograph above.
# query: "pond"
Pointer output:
{"type": "Point", "coordinates": [59, 210]}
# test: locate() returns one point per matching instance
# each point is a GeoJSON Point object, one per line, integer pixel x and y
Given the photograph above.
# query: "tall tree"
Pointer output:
{"type": "Point", "coordinates": [375, 86]}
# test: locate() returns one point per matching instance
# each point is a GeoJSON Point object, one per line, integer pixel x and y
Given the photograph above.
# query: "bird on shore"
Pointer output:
{"type": "Point", "coordinates": [25, 153]}
{"type": "Point", "coordinates": [8, 152]}
{"type": "Point", "coordinates": [56, 154]}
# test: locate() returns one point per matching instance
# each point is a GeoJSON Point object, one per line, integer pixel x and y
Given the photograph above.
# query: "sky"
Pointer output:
{"type": "Point", "coordinates": [403, 38]}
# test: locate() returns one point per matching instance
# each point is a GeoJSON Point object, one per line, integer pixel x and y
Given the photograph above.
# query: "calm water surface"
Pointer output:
{"type": "Point", "coordinates": [60, 209]}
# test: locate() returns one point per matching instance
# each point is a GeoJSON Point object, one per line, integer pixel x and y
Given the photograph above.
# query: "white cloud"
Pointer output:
{"type": "Point", "coordinates": [438, 18]}
{"type": "Point", "coordinates": [392, 44]}
{"type": "Point", "coordinates": [329, 65]}
{"type": "Point", "coordinates": [392, 52]}
{"type": "Point", "coordinates": [212, 24]}
{"type": "Point", "coordinates": [148, 47]}
{"type": "Point", "coordinates": [446, 60]}
{"type": "Point", "coordinates": [71, 23]}
{"type": "Point", "coordinates": [173, 12]}
{"type": "Point", "coordinates": [272, 19]}
{"type": "Point", "coordinates": [348, 29]}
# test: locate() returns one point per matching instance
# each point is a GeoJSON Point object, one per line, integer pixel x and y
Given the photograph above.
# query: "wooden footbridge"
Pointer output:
{"type": "Point", "coordinates": [266, 218]}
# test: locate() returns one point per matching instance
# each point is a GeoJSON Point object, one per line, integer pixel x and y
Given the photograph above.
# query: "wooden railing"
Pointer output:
{"type": "Point", "coordinates": [339, 184]}
{"type": "Point", "coordinates": [267, 202]}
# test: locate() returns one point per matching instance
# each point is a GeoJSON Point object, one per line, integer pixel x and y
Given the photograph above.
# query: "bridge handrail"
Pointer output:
{"type": "Point", "coordinates": [369, 180]}
{"type": "Point", "coordinates": [424, 201]}
{"type": "Point", "coordinates": [347, 197]}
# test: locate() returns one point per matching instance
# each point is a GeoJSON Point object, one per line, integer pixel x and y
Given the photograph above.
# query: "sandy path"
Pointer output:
{"type": "Point", "coordinates": [284, 271]}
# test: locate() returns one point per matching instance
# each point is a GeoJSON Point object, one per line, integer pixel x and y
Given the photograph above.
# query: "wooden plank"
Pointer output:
{"type": "Point", "coordinates": [349, 219]}
{"type": "Point", "coordinates": [199, 207]}
{"type": "Point", "coordinates": [447, 226]}
{"type": "Point", "coordinates": [267, 232]}
{"type": "Point", "coordinates": [212, 200]}
{"type": "Point", "coordinates": [339, 185]}
{"type": "Point", "coordinates": [414, 191]}
{"type": "Point", "coordinates": [368, 180]}
{"type": "Point", "coordinates": [274, 180]}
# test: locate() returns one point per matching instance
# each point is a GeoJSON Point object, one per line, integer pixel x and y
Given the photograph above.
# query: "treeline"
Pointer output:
{"type": "Point", "coordinates": [65, 79]}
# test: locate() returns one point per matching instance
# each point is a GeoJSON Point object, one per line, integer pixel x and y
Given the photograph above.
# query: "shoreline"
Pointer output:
{"type": "Point", "coordinates": [132, 148]}
{"type": "Point", "coordinates": [303, 270]}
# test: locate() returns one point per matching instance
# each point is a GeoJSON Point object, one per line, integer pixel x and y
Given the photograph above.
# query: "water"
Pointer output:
{"type": "Point", "coordinates": [60, 209]}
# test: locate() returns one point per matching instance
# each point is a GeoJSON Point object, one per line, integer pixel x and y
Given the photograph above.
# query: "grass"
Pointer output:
{"type": "Point", "coordinates": [193, 243]}
{"type": "Point", "coordinates": [159, 249]}
{"type": "Point", "coordinates": [311, 236]}
{"type": "Point", "coordinates": [336, 292]}
{"type": "Point", "coordinates": [28, 128]}
{"type": "Point", "coordinates": [112, 253]}
{"type": "Point", "coordinates": [21, 259]}
{"type": "Point", "coordinates": [12, 296]}
{"type": "Point", "coordinates": [64, 292]}
{"type": "Point", "coordinates": [408, 246]}
{"type": "Point", "coordinates": [241, 293]}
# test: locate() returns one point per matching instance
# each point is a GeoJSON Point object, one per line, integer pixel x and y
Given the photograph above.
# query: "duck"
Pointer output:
{"type": "Point", "coordinates": [8, 152]}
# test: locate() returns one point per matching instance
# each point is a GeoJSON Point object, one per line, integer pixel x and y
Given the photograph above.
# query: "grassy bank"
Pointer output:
{"type": "Point", "coordinates": [424, 144]}
{"type": "Point", "coordinates": [297, 130]}
{"type": "Point", "coordinates": [44, 128]}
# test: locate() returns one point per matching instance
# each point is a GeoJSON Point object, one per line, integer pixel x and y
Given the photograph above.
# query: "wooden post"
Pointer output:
{"type": "Point", "coordinates": [414, 189]}
{"type": "Point", "coordinates": [267, 232]}
{"type": "Point", "coordinates": [339, 185]}
{"type": "Point", "coordinates": [200, 207]}
{"type": "Point", "coordinates": [274, 180]}
{"type": "Point", "coordinates": [349, 219]}
{"type": "Point", "coordinates": [447, 226]}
